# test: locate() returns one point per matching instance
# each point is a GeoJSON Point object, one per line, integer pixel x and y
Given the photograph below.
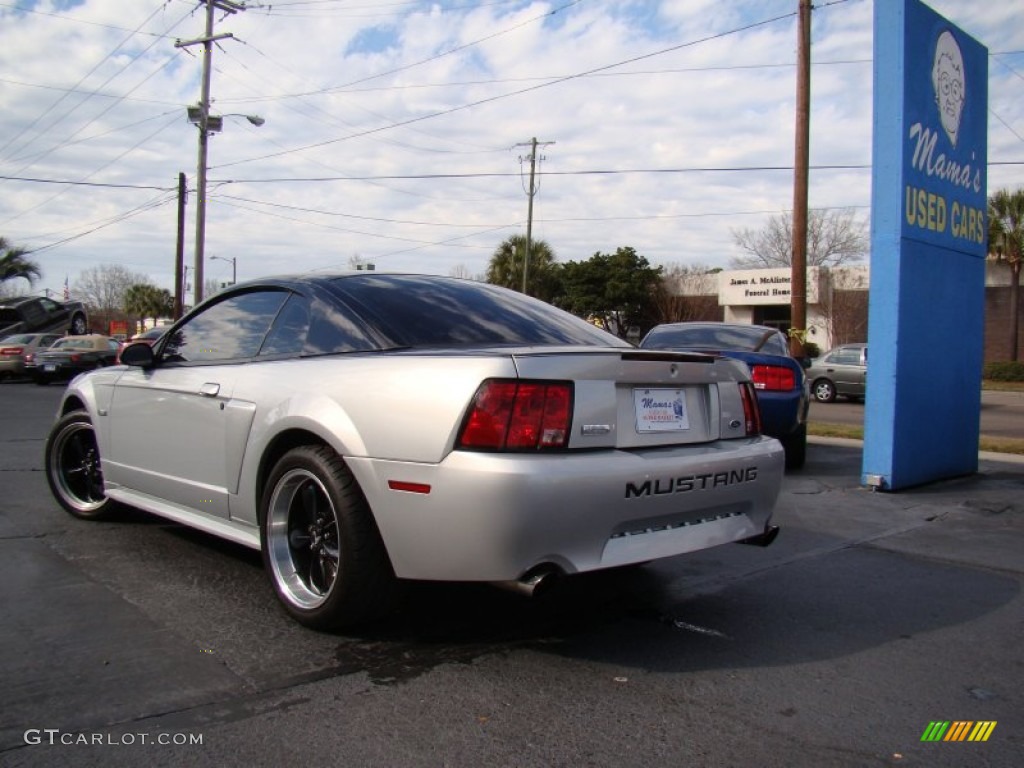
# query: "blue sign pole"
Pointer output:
{"type": "Point", "coordinates": [926, 311]}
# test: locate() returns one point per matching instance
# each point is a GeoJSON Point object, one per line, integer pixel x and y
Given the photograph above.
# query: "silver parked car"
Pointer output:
{"type": "Point", "coordinates": [364, 427]}
{"type": "Point", "coordinates": [14, 350]}
{"type": "Point", "coordinates": [840, 371]}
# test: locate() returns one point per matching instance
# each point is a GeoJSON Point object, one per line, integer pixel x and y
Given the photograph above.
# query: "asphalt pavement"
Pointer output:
{"type": "Point", "coordinates": [872, 616]}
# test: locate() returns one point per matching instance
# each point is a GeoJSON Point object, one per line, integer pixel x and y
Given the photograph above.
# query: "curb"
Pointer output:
{"type": "Point", "coordinates": [846, 442]}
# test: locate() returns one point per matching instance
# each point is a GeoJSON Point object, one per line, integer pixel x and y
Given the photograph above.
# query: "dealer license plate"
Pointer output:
{"type": "Point", "coordinates": [660, 410]}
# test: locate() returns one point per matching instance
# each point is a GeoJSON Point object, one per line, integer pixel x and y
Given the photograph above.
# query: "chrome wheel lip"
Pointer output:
{"type": "Point", "coordinates": [302, 543]}
{"type": "Point", "coordinates": [86, 494]}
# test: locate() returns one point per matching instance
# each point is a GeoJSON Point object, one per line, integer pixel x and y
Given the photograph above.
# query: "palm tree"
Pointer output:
{"type": "Point", "coordinates": [506, 266]}
{"type": "Point", "coordinates": [1006, 243]}
{"type": "Point", "coordinates": [13, 264]}
{"type": "Point", "coordinates": [144, 300]}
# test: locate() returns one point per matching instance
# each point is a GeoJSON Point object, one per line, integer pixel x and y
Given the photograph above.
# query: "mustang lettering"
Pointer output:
{"type": "Point", "coordinates": [663, 486]}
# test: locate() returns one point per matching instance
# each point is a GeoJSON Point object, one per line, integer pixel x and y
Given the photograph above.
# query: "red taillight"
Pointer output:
{"type": "Point", "coordinates": [518, 416]}
{"type": "Point", "coordinates": [75, 358]}
{"type": "Point", "coordinates": [751, 410]}
{"type": "Point", "coordinates": [773, 378]}
{"type": "Point", "coordinates": [11, 350]}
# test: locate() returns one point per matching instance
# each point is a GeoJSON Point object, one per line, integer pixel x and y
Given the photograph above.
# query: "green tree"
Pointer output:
{"type": "Point", "coordinates": [616, 290]}
{"type": "Point", "coordinates": [13, 264]}
{"type": "Point", "coordinates": [144, 300]}
{"type": "Point", "coordinates": [1006, 243]}
{"type": "Point", "coordinates": [506, 267]}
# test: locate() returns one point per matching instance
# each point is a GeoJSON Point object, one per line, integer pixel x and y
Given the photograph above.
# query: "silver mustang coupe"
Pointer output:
{"type": "Point", "coordinates": [365, 427]}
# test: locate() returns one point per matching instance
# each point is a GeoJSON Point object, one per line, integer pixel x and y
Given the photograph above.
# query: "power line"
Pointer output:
{"type": "Point", "coordinates": [488, 100]}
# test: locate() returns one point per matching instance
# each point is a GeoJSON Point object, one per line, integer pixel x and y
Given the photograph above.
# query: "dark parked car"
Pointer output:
{"type": "Point", "coordinates": [151, 337]}
{"type": "Point", "coordinates": [73, 354]}
{"type": "Point", "coordinates": [778, 378]}
{"type": "Point", "coordinates": [840, 371]}
{"type": "Point", "coordinates": [35, 314]}
{"type": "Point", "coordinates": [14, 349]}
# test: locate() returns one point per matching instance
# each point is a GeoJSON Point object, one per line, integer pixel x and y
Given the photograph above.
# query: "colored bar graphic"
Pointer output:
{"type": "Point", "coordinates": [935, 730]}
{"type": "Point", "coordinates": [958, 730]}
{"type": "Point", "coordinates": [982, 730]}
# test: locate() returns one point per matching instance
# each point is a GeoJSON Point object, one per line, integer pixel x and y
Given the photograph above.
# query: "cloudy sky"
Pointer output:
{"type": "Point", "coordinates": [397, 132]}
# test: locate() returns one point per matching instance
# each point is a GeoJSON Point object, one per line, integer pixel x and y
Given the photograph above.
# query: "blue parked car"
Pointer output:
{"type": "Point", "coordinates": [778, 378]}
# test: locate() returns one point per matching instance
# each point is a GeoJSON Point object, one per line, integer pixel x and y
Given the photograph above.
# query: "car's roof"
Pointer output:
{"type": "Point", "coordinates": [92, 338]}
{"type": "Point", "coordinates": [715, 324]}
{"type": "Point", "coordinates": [13, 301]}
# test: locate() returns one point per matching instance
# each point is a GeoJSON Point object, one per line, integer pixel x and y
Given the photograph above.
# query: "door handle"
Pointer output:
{"type": "Point", "coordinates": [210, 389]}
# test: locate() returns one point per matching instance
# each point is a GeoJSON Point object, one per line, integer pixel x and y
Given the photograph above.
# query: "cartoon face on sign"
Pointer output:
{"type": "Point", "coordinates": [949, 83]}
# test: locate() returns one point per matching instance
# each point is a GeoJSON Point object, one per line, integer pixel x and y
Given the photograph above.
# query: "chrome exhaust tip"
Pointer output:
{"type": "Point", "coordinates": [531, 584]}
{"type": "Point", "coordinates": [762, 539]}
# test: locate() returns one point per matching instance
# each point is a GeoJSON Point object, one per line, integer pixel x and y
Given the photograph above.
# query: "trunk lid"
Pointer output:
{"type": "Point", "coordinates": [631, 399]}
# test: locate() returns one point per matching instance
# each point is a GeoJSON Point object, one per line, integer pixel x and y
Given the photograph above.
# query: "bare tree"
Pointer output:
{"type": "Point", "coordinates": [462, 272]}
{"type": "Point", "coordinates": [845, 308]}
{"type": "Point", "coordinates": [103, 288]}
{"type": "Point", "coordinates": [686, 293]}
{"type": "Point", "coordinates": [835, 236]}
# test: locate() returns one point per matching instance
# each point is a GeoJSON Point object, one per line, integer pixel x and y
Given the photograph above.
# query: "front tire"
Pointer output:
{"type": "Point", "coordinates": [73, 468]}
{"type": "Point", "coordinates": [321, 547]}
{"type": "Point", "coordinates": [78, 327]}
{"type": "Point", "coordinates": [824, 391]}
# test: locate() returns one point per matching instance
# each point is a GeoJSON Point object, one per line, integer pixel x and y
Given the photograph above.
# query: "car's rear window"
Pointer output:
{"type": "Point", "coordinates": [717, 338]}
{"type": "Point", "coordinates": [74, 344]}
{"type": "Point", "coordinates": [417, 311]}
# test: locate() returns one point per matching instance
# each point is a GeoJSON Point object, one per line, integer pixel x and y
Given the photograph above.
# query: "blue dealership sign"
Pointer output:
{"type": "Point", "coordinates": [945, 146]}
{"type": "Point", "coordinates": [928, 248]}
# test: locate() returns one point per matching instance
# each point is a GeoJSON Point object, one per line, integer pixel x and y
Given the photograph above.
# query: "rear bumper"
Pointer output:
{"type": "Point", "coordinates": [782, 413]}
{"type": "Point", "coordinates": [494, 517]}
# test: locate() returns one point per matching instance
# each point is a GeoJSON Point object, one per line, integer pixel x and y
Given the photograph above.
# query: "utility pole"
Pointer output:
{"type": "Point", "coordinates": [532, 144]}
{"type": "Point", "coordinates": [203, 123]}
{"type": "Point", "coordinates": [798, 265]}
{"type": "Point", "coordinates": [179, 251]}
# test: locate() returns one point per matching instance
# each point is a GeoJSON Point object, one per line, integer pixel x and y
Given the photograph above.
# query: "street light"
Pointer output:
{"type": "Point", "coordinates": [207, 124]}
{"type": "Point", "coordinates": [234, 274]}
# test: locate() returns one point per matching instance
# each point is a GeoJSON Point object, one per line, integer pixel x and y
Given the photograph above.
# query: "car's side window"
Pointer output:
{"type": "Point", "coordinates": [288, 334]}
{"type": "Point", "coordinates": [33, 312]}
{"type": "Point", "coordinates": [231, 329]}
{"type": "Point", "coordinates": [846, 357]}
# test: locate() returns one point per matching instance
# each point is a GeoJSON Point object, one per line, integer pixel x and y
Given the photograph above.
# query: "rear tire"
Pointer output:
{"type": "Point", "coordinates": [78, 326]}
{"type": "Point", "coordinates": [795, 447]}
{"type": "Point", "coordinates": [824, 391]}
{"type": "Point", "coordinates": [321, 547]}
{"type": "Point", "coordinates": [73, 468]}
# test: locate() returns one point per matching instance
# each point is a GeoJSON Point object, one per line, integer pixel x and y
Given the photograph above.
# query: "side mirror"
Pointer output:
{"type": "Point", "coordinates": [139, 355]}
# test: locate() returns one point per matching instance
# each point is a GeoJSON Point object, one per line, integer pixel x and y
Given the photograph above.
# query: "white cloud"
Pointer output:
{"type": "Point", "coordinates": [361, 90]}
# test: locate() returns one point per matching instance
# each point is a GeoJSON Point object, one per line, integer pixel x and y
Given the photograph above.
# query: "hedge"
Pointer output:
{"type": "Point", "coordinates": [1004, 371]}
